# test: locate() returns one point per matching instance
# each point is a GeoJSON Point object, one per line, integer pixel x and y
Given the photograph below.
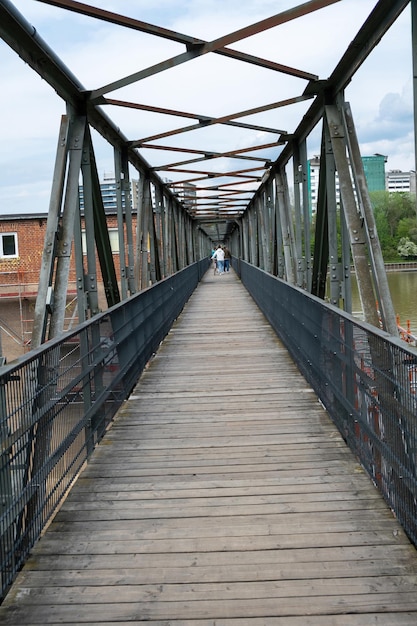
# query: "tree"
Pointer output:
{"type": "Point", "coordinates": [407, 248]}
{"type": "Point", "coordinates": [407, 227]}
{"type": "Point", "coordinates": [395, 218]}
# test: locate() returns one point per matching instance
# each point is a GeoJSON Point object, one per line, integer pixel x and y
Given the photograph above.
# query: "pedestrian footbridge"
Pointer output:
{"type": "Point", "coordinates": [193, 449]}
{"type": "Point", "coordinates": [222, 492]}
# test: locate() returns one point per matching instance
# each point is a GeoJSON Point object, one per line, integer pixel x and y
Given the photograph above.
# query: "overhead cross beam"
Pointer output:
{"type": "Point", "coordinates": [204, 120]}
{"type": "Point", "coordinates": [195, 47]}
{"type": "Point", "coordinates": [210, 154]}
{"type": "Point", "coordinates": [228, 118]}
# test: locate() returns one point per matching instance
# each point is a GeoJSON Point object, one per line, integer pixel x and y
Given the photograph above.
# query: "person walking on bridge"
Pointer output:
{"type": "Point", "coordinates": [227, 257]}
{"type": "Point", "coordinates": [219, 258]}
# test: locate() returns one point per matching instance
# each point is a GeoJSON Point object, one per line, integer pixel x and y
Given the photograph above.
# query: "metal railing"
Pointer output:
{"type": "Point", "coordinates": [57, 401]}
{"type": "Point", "coordinates": [365, 378]}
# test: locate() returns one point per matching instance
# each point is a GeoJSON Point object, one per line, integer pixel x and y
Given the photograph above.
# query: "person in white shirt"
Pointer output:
{"type": "Point", "coordinates": [219, 257]}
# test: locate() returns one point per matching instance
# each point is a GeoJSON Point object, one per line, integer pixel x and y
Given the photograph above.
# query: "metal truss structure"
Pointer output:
{"type": "Point", "coordinates": [188, 205]}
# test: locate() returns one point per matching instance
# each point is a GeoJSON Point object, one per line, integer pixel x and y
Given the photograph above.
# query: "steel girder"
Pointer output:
{"type": "Point", "coordinates": [252, 211]}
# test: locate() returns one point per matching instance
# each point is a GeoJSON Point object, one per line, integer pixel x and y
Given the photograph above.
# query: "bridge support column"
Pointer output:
{"type": "Point", "coordinates": [55, 267]}
{"type": "Point", "coordinates": [357, 211]}
{"type": "Point", "coordinates": [302, 215]}
{"type": "Point", "coordinates": [48, 255]}
{"type": "Point", "coordinates": [124, 223]}
{"type": "Point", "coordinates": [287, 229]}
{"type": "Point", "coordinates": [142, 235]}
{"type": "Point", "coordinates": [375, 254]}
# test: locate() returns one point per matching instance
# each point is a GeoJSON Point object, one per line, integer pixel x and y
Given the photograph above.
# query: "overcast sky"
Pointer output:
{"type": "Point", "coordinates": [99, 53]}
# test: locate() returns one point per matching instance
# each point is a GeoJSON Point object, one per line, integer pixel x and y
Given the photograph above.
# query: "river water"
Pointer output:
{"type": "Point", "coordinates": [403, 288]}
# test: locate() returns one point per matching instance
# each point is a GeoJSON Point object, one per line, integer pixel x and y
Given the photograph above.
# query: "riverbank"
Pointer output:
{"type": "Point", "coordinates": [401, 267]}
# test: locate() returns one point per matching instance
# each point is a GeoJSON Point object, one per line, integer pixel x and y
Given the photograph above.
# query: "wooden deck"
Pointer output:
{"type": "Point", "coordinates": [222, 496]}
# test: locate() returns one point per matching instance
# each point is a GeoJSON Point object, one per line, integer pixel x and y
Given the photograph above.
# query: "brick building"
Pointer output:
{"type": "Point", "coordinates": [21, 247]}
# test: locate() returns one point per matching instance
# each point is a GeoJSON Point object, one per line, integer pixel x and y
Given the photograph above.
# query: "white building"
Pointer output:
{"type": "Point", "coordinates": [396, 180]}
{"type": "Point", "coordinates": [313, 182]}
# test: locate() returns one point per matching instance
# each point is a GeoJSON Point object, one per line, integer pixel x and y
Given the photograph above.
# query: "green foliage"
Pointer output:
{"type": "Point", "coordinates": [407, 227]}
{"type": "Point", "coordinates": [396, 219]}
{"type": "Point", "coordinates": [407, 248]}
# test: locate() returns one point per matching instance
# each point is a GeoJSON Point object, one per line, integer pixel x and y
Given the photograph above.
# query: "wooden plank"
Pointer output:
{"type": "Point", "coordinates": [391, 555]}
{"type": "Point", "coordinates": [125, 575]}
{"type": "Point", "coordinates": [222, 494]}
{"type": "Point", "coordinates": [123, 542]}
{"type": "Point", "coordinates": [381, 619]}
{"type": "Point", "coordinates": [218, 609]}
{"type": "Point", "coordinates": [319, 593]}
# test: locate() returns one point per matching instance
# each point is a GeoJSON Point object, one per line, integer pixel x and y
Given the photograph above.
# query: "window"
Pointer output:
{"type": "Point", "coordinates": [8, 245]}
{"type": "Point", "coordinates": [114, 240]}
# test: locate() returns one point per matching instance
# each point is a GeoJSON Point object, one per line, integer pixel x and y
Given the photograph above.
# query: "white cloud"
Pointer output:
{"type": "Point", "coordinates": [99, 53]}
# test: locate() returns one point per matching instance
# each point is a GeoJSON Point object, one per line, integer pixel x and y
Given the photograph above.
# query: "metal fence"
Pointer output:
{"type": "Point", "coordinates": [57, 401]}
{"type": "Point", "coordinates": [366, 379]}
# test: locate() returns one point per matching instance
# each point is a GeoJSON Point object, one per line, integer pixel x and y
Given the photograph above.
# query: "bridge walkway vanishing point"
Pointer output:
{"type": "Point", "coordinates": [222, 495]}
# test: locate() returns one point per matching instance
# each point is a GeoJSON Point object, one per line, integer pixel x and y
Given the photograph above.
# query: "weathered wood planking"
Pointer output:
{"type": "Point", "coordinates": [222, 495]}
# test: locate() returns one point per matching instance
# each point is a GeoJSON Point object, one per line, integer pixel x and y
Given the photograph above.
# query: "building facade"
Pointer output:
{"type": "Point", "coordinates": [398, 181]}
{"type": "Point", "coordinates": [108, 188]}
{"type": "Point", "coordinates": [374, 168]}
{"type": "Point", "coordinates": [21, 248]}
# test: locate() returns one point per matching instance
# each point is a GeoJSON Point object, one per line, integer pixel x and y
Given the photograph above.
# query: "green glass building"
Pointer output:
{"type": "Point", "coordinates": [374, 167]}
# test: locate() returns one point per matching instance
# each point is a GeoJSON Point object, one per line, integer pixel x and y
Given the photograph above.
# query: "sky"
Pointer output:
{"type": "Point", "coordinates": [98, 53]}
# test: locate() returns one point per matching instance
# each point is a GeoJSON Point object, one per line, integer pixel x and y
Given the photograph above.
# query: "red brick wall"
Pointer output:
{"type": "Point", "coordinates": [20, 276]}
{"type": "Point", "coordinates": [25, 268]}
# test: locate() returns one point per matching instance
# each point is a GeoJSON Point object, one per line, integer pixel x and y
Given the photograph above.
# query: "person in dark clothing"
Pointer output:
{"type": "Point", "coordinates": [227, 257]}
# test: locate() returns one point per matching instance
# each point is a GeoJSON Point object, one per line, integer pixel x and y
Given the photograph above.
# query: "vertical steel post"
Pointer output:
{"type": "Point", "coordinates": [332, 226]}
{"type": "Point", "coordinates": [302, 148]}
{"type": "Point", "coordinates": [101, 234]}
{"type": "Point", "coordinates": [252, 233]}
{"type": "Point", "coordinates": [75, 153]}
{"type": "Point", "coordinates": [142, 236]}
{"type": "Point", "coordinates": [169, 236]}
{"type": "Point", "coordinates": [286, 225]}
{"type": "Point", "coordinates": [188, 238]}
{"type": "Point", "coordinates": [321, 239]}
{"type": "Point", "coordinates": [278, 244]}
{"type": "Point", "coordinates": [159, 235]}
{"type": "Point", "coordinates": [7, 543]}
{"type": "Point", "coordinates": [51, 234]}
{"type": "Point", "coordinates": [165, 233]}
{"type": "Point", "coordinates": [180, 237]}
{"type": "Point", "coordinates": [245, 237]}
{"type": "Point", "coordinates": [82, 304]}
{"type": "Point", "coordinates": [122, 198]}
{"type": "Point", "coordinates": [262, 229]}
{"type": "Point", "coordinates": [153, 246]}
{"type": "Point", "coordinates": [173, 222]}
{"type": "Point", "coordinates": [118, 175]}
{"type": "Point", "coordinates": [354, 222]}
{"type": "Point", "coordinates": [89, 279]}
{"type": "Point", "coordinates": [346, 294]}
{"type": "Point", "coordinates": [298, 181]}
{"type": "Point", "coordinates": [126, 189]}
{"type": "Point", "coordinates": [375, 254]}
{"type": "Point", "coordinates": [270, 223]}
